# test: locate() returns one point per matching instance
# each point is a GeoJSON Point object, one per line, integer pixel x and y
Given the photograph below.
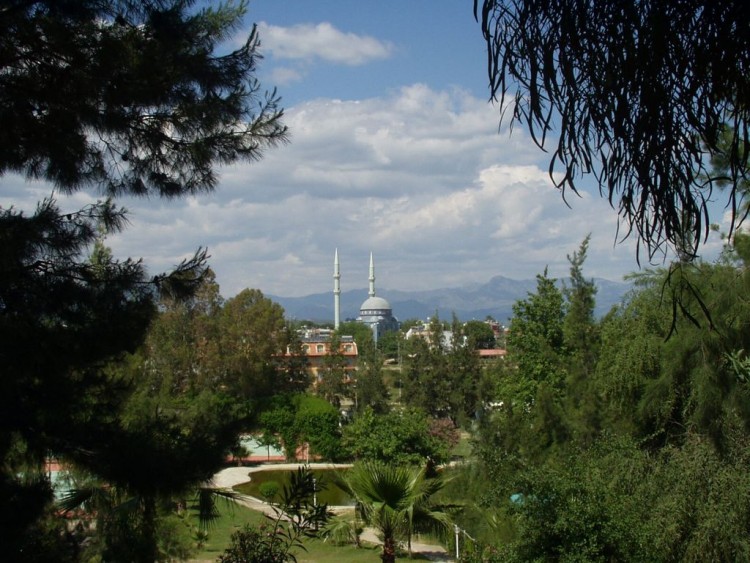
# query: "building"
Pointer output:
{"type": "Point", "coordinates": [316, 345]}
{"type": "Point", "coordinates": [376, 312]}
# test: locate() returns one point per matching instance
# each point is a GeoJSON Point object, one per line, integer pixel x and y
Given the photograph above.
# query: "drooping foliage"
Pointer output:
{"type": "Point", "coordinates": [636, 95]}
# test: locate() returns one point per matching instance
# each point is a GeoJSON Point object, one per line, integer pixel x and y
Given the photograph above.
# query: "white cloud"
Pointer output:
{"type": "Point", "coordinates": [282, 76]}
{"type": "Point", "coordinates": [419, 177]}
{"type": "Point", "coordinates": [309, 42]}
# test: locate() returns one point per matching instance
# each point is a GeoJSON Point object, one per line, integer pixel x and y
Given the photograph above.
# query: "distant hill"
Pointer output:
{"type": "Point", "coordinates": [477, 301]}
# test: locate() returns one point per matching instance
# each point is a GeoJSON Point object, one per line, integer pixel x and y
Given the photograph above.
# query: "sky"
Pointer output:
{"type": "Point", "coordinates": [394, 149]}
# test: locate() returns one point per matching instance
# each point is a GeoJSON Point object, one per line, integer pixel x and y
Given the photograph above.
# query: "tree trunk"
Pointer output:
{"type": "Point", "coordinates": [389, 550]}
{"type": "Point", "coordinates": [149, 529]}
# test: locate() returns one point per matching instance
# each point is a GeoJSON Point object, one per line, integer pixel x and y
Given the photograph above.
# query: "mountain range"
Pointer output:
{"type": "Point", "coordinates": [476, 301]}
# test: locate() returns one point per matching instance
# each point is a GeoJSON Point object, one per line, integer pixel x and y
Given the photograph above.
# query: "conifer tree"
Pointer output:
{"type": "Point", "coordinates": [119, 97]}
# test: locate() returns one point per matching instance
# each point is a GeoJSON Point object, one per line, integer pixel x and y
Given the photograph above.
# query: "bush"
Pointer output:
{"type": "Point", "coordinates": [269, 490]}
{"type": "Point", "coordinates": [255, 545]}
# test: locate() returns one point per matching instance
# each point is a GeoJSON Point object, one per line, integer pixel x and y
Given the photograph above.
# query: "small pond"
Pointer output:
{"type": "Point", "coordinates": [328, 492]}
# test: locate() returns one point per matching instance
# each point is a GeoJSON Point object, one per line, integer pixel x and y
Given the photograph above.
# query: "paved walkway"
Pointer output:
{"type": "Point", "coordinates": [231, 476]}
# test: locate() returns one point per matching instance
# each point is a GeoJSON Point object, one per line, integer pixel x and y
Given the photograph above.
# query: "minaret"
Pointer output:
{"type": "Point", "coordinates": [336, 291]}
{"type": "Point", "coordinates": [372, 277]}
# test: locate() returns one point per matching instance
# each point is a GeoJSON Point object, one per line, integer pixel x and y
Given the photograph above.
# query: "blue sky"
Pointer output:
{"type": "Point", "coordinates": [394, 149]}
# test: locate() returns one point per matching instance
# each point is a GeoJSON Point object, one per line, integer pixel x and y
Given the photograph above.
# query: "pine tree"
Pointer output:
{"type": "Point", "coordinates": [125, 98]}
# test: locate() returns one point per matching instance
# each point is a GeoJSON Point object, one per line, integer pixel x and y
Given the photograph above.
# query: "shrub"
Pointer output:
{"type": "Point", "coordinates": [269, 490]}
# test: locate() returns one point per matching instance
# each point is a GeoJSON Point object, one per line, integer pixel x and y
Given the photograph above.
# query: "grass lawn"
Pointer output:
{"type": "Point", "coordinates": [463, 448]}
{"type": "Point", "coordinates": [235, 518]}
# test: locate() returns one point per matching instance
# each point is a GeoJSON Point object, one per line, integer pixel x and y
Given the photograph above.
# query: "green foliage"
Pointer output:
{"type": "Point", "coordinates": [442, 378]}
{"type": "Point", "coordinates": [397, 500]}
{"type": "Point", "coordinates": [391, 343]}
{"type": "Point", "coordinates": [62, 320]}
{"type": "Point", "coordinates": [686, 381]}
{"type": "Point", "coordinates": [361, 332]}
{"type": "Point", "coordinates": [398, 437]}
{"type": "Point", "coordinates": [269, 490]}
{"type": "Point", "coordinates": [480, 335]}
{"type": "Point", "coordinates": [639, 453]}
{"type": "Point", "coordinates": [126, 98]}
{"type": "Point", "coordinates": [296, 517]}
{"type": "Point", "coordinates": [293, 375]}
{"type": "Point", "coordinates": [579, 328]}
{"type": "Point", "coordinates": [252, 333]}
{"type": "Point", "coordinates": [317, 422]}
{"type": "Point", "coordinates": [536, 338]}
{"type": "Point", "coordinates": [370, 388]}
{"type": "Point", "coordinates": [278, 419]}
{"type": "Point", "coordinates": [255, 545]}
{"type": "Point", "coordinates": [342, 530]}
{"type": "Point", "coordinates": [142, 104]}
{"type": "Point", "coordinates": [425, 378]}
{"type": "Point", "coordinates": [333, 379]}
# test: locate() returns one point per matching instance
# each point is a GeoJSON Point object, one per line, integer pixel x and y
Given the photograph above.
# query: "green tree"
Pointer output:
{"type": "Point", "coordinates": [391, 344]}
{"type": "Point", "coordinates": [130, 97]}
{"type": "Point", "coordinates": [398, 437]}
{"type": "Point", "coordinates": [480, 335]}
{"type": "Point", "coordinates": [253, 336]}
{"type": "Point", "coordinates": [361, 332]}
{"type": "Point", "coordinates": [316, 422]}
{"type": "Point", "coordinates": [536, 340]}
{"type": "Point", "coordinates": [127, 98]}
{"type": "Point", "coordinates": [182, 346]}
{"type": "Point", "coordinates": [396, 500]}
{"type": "Point", "coordinates": [62, 320]}
{"type": "Point", "coordinates": [581, 338]}
{"type": "Point", "coordinates": [370, 387]}
{"type": "Point", "coordinates": [277, 417]}
{"type": "Point", "coordinates": [465, 374]}
{"type": "Point", "coordinates": [579, 328]}
{"type": "Point", "coordinates": [334, 382]}
{"type": "Point", "coordinates": [686, 381]}
{"type": "Point", "coordinates": [426, 375]}
{"type": "Point", "coordinates": [269, 440]}
{"type": "Point", "coordinates": [651, 82]}
{"type": "Point", "coordinates": [292, 368]}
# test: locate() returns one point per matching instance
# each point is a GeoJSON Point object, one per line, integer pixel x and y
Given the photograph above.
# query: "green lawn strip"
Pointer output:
{"type": "Point", "coordinates": [235, 517]}
{"type": "Point", "coordinates": [463, 448]}
{"type": "Point", "coordinates": [231, 519]}
{"type": "Point", "coordinates": [319, 551]}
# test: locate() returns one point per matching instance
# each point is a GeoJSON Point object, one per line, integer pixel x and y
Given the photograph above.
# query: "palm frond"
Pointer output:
{"type": "Point", "coordinates": [94, 497]}
{"type": "Point", "coordinates": [205, 502]}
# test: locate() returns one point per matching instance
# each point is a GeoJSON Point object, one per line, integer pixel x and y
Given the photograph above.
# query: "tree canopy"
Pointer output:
{"type": "Point", "coordinates": [129, 97]}
{"type": "Point", "coordinates": [124, 98]}
{"type": "Point", "coordinates": [641, 94]}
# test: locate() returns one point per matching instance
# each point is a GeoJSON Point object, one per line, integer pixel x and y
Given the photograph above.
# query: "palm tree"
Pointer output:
{"type": "Point", "coordinates": [396, 500]}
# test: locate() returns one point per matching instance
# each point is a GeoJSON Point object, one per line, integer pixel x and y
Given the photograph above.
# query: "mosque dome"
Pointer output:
{"type": "Point", "coordinates": [375, 303]}
{"type": "Point", "coordinates": [375, 312]}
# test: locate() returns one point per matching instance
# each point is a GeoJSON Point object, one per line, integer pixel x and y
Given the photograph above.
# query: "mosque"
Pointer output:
{"type": "Point", "coordinates": [375, 312]}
